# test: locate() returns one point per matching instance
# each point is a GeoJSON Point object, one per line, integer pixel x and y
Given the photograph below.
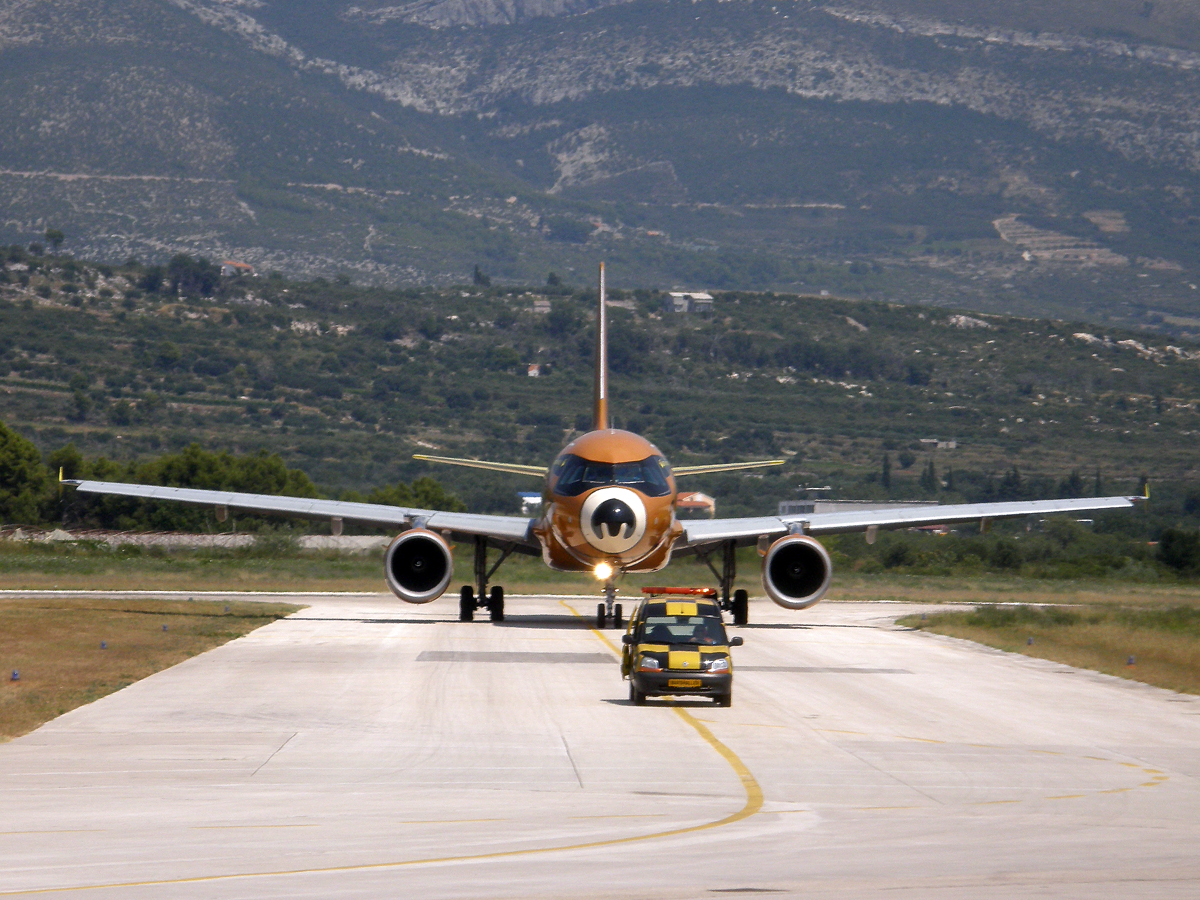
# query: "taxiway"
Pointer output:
{"type": "Point", "coordinates": [364, 748]}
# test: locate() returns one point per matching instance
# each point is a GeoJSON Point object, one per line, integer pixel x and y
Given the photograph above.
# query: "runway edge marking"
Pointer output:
{"type": "Point", "coordinates": [754, 803]}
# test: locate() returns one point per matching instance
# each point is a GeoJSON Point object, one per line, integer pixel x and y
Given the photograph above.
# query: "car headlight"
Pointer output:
{"type": "Point", "coordinates": [649, 664]}
{"type": "Point", "coordinates": [718, 664]}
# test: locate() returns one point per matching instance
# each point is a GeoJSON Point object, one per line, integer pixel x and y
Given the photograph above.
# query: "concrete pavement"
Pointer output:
{"type": "Point", "coordinates": [366, 748]}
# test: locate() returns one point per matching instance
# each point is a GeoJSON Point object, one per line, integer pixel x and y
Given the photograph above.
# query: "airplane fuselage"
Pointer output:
{"type": "Point", "coordinates": [610, 499]}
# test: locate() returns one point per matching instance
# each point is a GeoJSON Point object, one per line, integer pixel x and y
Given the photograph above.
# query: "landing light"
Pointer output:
{"type": "Point", "coordinates": [603, 571]}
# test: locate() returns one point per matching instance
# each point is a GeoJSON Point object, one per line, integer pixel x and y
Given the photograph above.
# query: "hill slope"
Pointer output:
{"type": "Point", "coordinates": [347, 383]}
{"type": "Point", "coordinates": [1014, 156]}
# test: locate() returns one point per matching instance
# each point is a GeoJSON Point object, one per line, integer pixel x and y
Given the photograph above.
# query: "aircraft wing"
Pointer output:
{"type": "Point", "coordinates": [512, 529]}
{"type": "Point", "coordinates": [744, 531]}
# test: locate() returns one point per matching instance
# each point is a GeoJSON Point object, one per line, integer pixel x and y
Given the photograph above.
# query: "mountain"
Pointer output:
{"type": "Point", "coordinates": [1027, 157]}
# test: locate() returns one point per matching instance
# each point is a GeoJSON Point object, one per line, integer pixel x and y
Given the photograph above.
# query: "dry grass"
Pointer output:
{"type": "Point", "coordinates": [55, 645]}
{"type": "Point", "coordinates": [994, 588]}
{"type": "Point", "coordinates": [1164, 642]}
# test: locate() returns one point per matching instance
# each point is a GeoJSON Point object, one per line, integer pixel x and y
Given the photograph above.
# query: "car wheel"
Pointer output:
{"type": "Point", "coordinates": [638, 698]}
{"type": "Point", "coordinates": [724, 699]}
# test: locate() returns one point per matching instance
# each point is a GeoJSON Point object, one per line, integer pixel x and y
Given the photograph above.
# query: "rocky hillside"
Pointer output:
{"type": "Point", "coordinates": [1024, 157]}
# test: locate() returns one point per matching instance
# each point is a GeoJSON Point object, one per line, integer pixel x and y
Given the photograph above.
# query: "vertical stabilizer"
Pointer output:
{"type": "Point", "coordinates": [600, 415]}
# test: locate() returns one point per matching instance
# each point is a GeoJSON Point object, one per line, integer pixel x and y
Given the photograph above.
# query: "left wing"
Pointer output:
{"type": "Point", "coordinates": [748, 530]}
{"type": "Point", "coordinates": [511, 529]}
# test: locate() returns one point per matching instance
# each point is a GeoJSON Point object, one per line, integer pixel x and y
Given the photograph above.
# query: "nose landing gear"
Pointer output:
{"type": "Point", "coordinates": [609, 610]}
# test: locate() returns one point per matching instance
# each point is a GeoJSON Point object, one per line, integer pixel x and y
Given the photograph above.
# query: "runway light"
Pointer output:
{"type": "Point", "coordinates": [16, 676]}
{"type": "Point", "coordinates": [1131, 662]}
{"type": "Point", "coordinates": [104, 645]}
{"type": "Point", "coordinates": [1029, 642]}
{"type": "Point", "coordinates": [603, 571]}
{"type": "Point", "coordinates": [164, 628]}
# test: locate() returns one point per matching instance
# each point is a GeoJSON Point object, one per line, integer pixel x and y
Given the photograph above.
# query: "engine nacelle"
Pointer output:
{"type": "Point", "coordinates": [418, 566]}
{"type": "Point", "coordinates": [796, 571]}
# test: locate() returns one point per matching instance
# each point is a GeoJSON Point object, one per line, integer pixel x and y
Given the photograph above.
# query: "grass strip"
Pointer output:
{"type": "Point", "coordinates": [1163, 643]}
{"type": "Point", "coordinates": [55, 645]}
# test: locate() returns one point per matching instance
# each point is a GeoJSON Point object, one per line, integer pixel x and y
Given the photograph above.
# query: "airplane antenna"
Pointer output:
{"type": "Point", "coordinates": [601, 398]}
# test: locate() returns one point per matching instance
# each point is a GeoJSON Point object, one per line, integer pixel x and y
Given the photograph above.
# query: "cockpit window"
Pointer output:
{"type": "Point", "coordinates": [576, 475]}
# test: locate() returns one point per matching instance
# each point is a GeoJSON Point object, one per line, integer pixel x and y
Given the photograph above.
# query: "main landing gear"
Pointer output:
{"type": "Point", "coordinates": [609, 610]}
{"type": "Point", "coordinates": [493, 602]}
{"type": "Point", "coordinates": [735, 602]}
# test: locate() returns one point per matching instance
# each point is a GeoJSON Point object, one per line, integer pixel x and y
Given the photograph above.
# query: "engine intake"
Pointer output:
{"type": "Point", "coordinates": [418, 566]}
{"type": "Point", "coordinates": [796, 571]}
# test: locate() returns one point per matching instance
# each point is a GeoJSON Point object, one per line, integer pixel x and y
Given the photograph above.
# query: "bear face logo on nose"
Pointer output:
{"type": "Point", "coordinates": [613, 519]}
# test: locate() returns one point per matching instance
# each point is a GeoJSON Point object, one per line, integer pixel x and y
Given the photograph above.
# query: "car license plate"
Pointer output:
{"type": "Point", "coordinates": [684, 682]}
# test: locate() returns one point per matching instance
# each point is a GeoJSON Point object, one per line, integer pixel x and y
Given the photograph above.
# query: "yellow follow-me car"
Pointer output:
{"type": "Point", "coordinates": [678, 648]}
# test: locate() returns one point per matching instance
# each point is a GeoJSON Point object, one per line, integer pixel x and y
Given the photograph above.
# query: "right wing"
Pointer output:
{"type": "Point", "coordinates": [511, 529]}
{"type": "Point", "coordinates": [698, 532]}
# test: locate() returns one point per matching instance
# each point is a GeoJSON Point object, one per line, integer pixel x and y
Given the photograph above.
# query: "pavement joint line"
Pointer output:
{"type": "Point", "coordinates": [753, 805]}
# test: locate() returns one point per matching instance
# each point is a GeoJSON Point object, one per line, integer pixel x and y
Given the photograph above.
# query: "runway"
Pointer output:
{"type": "Point", "coordinates": [364, 748]}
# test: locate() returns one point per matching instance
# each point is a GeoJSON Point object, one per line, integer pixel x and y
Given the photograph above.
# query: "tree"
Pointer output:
{"type": "Point", "coordinates": [479, 278]}
{"type": "Point", "coordinates": [552, 280]}
{"type": "Point", "coordinates": [192, 276]}
{"type": "Point", "coordinates": [54, 238]}
{"type": "Point", "coordinates": [23, 479]}
{"type": "Point", "coordinates": [885, 477]}
{"type": "Point", "coordinates": [1180, 549]}
{"type": "Point", "coordinates": [929, 481]}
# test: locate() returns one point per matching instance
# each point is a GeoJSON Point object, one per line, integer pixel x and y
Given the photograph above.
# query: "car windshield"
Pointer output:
{"type": "Point", "coordinates": [576, 475]}
{"type": "Point", "coordinates": [702, 630]}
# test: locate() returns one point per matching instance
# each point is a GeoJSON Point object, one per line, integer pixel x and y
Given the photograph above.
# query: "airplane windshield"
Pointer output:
{"type": "Point", "coordinates": [701, 630]}
{"type": "Point", "coordinates": [576, 475]}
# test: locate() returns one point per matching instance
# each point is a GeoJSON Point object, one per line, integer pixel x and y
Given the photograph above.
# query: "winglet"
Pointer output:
{"type": "Point", "coordinates": [1146, 495]}
{"type": "Point", "coordinates": [60, 474]}
{"type": "Point", "coordinates": [600, 409]}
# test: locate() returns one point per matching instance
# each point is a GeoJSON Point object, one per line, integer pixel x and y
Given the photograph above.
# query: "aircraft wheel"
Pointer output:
{"type": "Point", "coordinates": [724, 699]}
{"type": "Point", "coordinates": [741, 607]}
{"type": "Point", "coordinates": [600, 617]}
{"type": "Point", "coordinates": [617, 612]}
{"type": "Point", "coordinates": [466, 604]}
{"type": "Point", "coordinates": [636, 696]}
{"type": "Point", "coordinates": [496, 604]}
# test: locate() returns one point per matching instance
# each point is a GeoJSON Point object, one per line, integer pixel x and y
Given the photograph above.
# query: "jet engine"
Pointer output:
{"type": "Point", "coordinates": [418, 566]}
{"type": "Point", "coordinates": [796, 571]}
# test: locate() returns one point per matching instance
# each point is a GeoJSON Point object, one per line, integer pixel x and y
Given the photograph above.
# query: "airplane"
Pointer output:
{"type": "Point", "coordinates": [609, 510]}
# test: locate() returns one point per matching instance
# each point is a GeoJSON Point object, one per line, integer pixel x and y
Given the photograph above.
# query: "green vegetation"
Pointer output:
{"type": "Point", "coordinates": [69, 652]}
{"type": "Point", "coordinates": [1159, 646]}
{"type": "Point", "coordinates": [346, 382]}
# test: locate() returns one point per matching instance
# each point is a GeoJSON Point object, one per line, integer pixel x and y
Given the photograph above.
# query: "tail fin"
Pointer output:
{"type": "Point", "coordinates": [600, 414]}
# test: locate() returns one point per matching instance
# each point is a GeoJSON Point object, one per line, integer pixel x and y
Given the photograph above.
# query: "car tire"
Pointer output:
{"type": "Point", "coordinates": [724, 699]}
{"type": "Point", "coordinates": [637, 697]}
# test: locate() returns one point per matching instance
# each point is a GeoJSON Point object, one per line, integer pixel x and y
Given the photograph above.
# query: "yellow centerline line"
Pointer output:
{"type": "Point", "coordinates": [753, 805]}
